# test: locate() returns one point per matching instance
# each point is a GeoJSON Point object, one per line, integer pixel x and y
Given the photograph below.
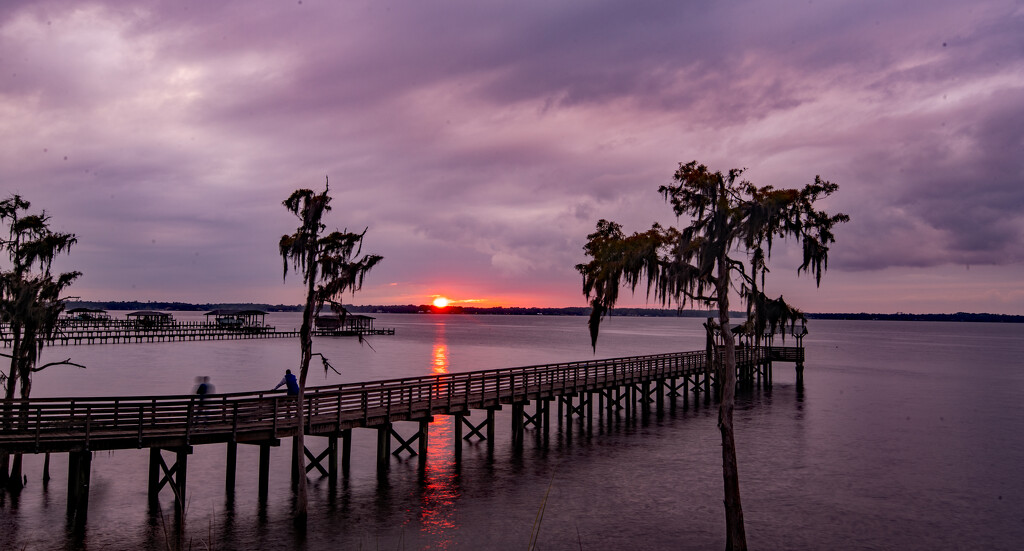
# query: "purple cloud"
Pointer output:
{"type": "Point", "coordinates": [480, 143]}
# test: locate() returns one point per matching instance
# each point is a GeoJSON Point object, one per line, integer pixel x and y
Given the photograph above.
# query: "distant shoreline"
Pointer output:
{"type": "Point", "coordinates": [533, 311]}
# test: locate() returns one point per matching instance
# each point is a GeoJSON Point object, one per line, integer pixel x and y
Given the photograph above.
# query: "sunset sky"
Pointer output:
{"type": "Point", "coordinates": [480, 142]}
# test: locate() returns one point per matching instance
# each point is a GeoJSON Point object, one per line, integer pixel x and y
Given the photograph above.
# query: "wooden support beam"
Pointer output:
{"type": "Point", "coordinates": [590, 411]}
{"type": "Point", "coordinates": [79, 473]}
{"type": "Point", "coordinates": [295, 463]}
{"type": "Point", "coordinates": [154, 474]}
{"type": "Point", "coordinates": [546, 420]}
{"type": "Point", "coordinates": [424, 444]}
{"type": "Point", "coordinates": [517, 424]}
{"type": "Point", "coordinates": [315, 461]}
{"type": "Point", "coordinates": [474, 430]}
{"type": "Point", "coordinates": [180, 480]}
{"type": "Point", "coordinates": [264, 472]}
{"type": "Point", "coordinates": [346, 451]}
{"type": "Point", "coordinates": [659, 395]}
{"type": "Point", "coordinates": [229, 474]}
{"type": "Point", "coordinates": [383, 448]}
{"type": "Point", "coordinates": [332, 460]}
{"type": "Point", "coordinates": [535, 418]}
{"type": "Point", "coordinates": [630, 396]}
{"type": "Point", "coordinates": [176, 475]}
{"type": "Point", "coordinates": [405, 444]}
{"type": "Point", "coordinates": [460, 418]}
{"type": "Point", "coordinates": [490, 429]}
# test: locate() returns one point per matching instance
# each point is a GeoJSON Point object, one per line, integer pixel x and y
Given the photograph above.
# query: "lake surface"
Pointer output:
{"type": "Point", "coordinates": [905, 435]}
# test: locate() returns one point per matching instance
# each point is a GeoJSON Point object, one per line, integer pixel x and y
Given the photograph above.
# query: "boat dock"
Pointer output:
{"type": "Point", "coordinates": [124, 331]}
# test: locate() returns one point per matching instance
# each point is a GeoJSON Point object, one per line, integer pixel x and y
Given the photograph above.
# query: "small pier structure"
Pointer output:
{"type": "Point", "coordinates": [174, 425]}
{"type": "Point", "coordinates": [148, 326]}
{"type": "Point", "coordinates": [347, 325]}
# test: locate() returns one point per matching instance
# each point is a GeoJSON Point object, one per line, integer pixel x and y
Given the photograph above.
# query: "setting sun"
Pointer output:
{"type": "Point", "coordinates": [440, 302]}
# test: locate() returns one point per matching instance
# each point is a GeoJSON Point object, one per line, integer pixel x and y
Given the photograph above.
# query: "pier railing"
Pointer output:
{"type": "Point", "coordinates": [75, 424]}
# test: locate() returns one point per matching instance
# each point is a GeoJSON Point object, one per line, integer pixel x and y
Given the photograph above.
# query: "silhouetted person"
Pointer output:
{"type": "Point", "coordinates": [203, 389]}
{"type": "Point", "coordinates": [289, 382]}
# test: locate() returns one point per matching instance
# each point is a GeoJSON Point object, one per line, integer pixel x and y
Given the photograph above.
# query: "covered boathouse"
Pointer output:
{"type": "Point", "coordinates": [237, 319]}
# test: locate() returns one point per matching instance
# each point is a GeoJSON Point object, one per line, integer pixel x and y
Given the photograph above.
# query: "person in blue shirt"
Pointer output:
{"type": "Point", "coordinates": [203, 386]}
{"type": "Point", "coordinates": [289, 382]}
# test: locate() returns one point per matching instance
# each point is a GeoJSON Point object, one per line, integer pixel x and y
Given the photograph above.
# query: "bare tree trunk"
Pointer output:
{"type": "Point", "coordinates": [8, 413]}
{"type": "Point", "coordinates": [735, 538]}
{"type": "Point", "coordinates": [15, 482]}
{"type": "Point", "coordinates": [306, 342]}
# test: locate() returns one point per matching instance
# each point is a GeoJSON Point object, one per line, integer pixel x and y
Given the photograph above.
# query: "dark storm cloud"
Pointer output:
{"type": "Point", "coordinates": [958, 179]}
{"type": "Point", "coordinates": [494, 135]}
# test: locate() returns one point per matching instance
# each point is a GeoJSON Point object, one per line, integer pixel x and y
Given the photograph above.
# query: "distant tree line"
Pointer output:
{"type": "Point", "coordinates": [528, 311]}
{"type": "Point", "coordinates": [181, 306]}
{"type": "Point", "coordinates": [901, 316]}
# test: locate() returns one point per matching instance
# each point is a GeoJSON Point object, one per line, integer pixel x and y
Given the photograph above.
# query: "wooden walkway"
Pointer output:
{"type": "Point", "coordinates": [79, 426]}
{"type": "Point", "coordinates": [124, 333]}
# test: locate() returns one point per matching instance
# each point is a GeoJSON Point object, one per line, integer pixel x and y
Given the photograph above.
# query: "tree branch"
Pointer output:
{"type": "Point", "coordinates": [327, 363]}
{"type": "Point", "coordinates": [51, 364]}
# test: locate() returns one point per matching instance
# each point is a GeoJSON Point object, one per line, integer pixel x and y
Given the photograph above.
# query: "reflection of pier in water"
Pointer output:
{"type": "Point", "coordinates": [619, 387]}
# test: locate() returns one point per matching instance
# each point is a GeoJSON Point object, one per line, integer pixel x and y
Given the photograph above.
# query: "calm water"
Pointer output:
{"type": "Point", "coordinates": [905, 436]}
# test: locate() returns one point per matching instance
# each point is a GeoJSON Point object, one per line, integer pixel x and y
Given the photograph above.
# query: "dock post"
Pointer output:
{"type": "Point", "coordinates": [659, 389]}
{"type": "Point", "coordinates": [180, 478]}
{"type": "Point", "coordinates": [799, 374]}
{"type": "Point", "coordinates": [457, 440]}
{"type": "Point", "coordinates": [154, 474]}
{"type": "Point", "coordinates": [264, 472]}
{"type": "Point", "coordinates": [490, 431]}
{"type": "Point", "coordinates": [383, 448]}
{"type": "Point", "coordinates": [517, 425]}
{"type": "Point", "coordinates": [346, 451]}
{"type": "Point", "coordinates": [560, 400]}
{"type": "Point", "coordinates": [295, 463]}
{"type": "Point", "coordinates": [332, 460]}
{"type": "Point", "coordinates": [424, 431]}
{"type": "Point", "coordinates": [629, 401]}
{"type": "Point", "coordinates": [546, 419]}
{"type": "Point", "coordinates": [229, 476]}
{"type": "Point", "coordinates": [79, 470]}
{"type": "Point", "coordinates": [590, 412]}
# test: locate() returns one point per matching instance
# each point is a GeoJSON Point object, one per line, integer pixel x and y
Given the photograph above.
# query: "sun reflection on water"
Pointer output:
{"type": "Point", "coordinates": [440, 490]}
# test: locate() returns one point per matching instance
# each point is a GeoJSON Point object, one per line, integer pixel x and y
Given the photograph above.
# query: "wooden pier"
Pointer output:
{"type": "Point", "coordinates": [124, 331]}
{"type": "Point", "coordinates": [175, 424]}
